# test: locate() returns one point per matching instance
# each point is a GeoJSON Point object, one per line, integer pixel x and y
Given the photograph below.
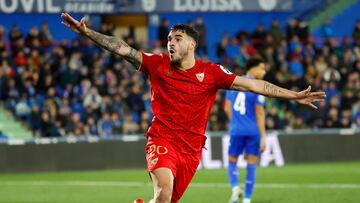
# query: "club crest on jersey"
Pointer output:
{"type": "Point", "coordinates": [154, 161]}
{"type": "Point", "coordinates": [200, 76]}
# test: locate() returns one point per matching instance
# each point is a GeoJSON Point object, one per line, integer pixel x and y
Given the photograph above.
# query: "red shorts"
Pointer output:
{"type": "Point", "coordinates": [161, 154]}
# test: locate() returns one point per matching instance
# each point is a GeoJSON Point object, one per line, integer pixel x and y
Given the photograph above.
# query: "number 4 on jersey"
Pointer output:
{"type": "Point", "coordinates": [239, 104]}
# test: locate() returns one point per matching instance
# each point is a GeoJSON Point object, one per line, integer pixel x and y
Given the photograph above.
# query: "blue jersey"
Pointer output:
{"type": "Point", "coordinates": [243, 114]}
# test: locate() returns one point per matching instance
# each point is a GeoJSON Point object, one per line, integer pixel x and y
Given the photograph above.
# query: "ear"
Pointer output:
{"type": "Point", "coordinates": [193, 44]}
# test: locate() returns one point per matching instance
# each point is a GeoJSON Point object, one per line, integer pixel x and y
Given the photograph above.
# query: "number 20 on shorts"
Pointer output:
{"type": "Point", "coordinates": [159, 150]}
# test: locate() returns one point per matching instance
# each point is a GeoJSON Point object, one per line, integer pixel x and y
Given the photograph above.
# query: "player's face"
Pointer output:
{"type": "Point", "coordinates": [260, 71]}
{"type": "Point", "coordinates": [179, 45]}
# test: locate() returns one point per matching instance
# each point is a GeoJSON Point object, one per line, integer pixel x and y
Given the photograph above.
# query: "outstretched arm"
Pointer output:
{"type": "Point", "coordinates": [110, 43]}
{"type": "Point", "coordinates": [267, 89]}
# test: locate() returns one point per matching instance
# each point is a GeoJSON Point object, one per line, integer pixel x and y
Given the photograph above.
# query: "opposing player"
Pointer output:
{"type": "Point", "coordinates": [183, 90]}
{"type": "Point", "coordinates": [247, 131]}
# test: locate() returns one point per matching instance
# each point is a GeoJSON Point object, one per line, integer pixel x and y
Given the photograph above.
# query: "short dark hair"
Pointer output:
{"type": "Point", "coordinates": [253, 62]}
{"type": "Point", "coordinates": [188, 30]}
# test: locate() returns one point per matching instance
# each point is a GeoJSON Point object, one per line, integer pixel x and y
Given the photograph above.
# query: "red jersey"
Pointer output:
{"type": "Point", "coordinates": [181, 100]}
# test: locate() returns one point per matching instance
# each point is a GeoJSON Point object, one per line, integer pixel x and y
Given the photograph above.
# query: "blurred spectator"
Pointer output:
{"type": "Point", "coordinates": [332, 120]}
{"type": "Point", "coordinates": [331, 74]}
{"type": "Point", "coordinates": [47, 127]}
{"type": "Point", "coordinates": [135, 102]}
{"type": "Point", "coordinates": [296, 68]}
{"type": "Point", "coordinates": [356, 114]}
{"type": "Point", "coordinates": [116, 123]}
{"type": "Point", "coordinates": [272, 121]}
{"type": "Point", "coordinates": [345, 119]}
{"type": "Point", "coordinates": [199, 25]}
{"type": "Point", "coordinates": [105, 125]}
{"type": "Point", "coordinates": [190, 22]}
{"type": "Point", "coordinates": [233, 50]}
{"type": "Point", "coordinates": [258, 36]}
{"type": "Point", "coordinates": [221, 46]}
{"type": "Point", "coordinates": [31, 36]}
{"type": "Point", "coordinates": [283, 76]}
{"type": "Point", "coordinates": [15, 35]}
{"type": "Point", "coordinates": [93, 99]}
{"type": "Point", "coordinates": [303, 31]}
{"type": "Point", "coordinates": [45, 35]}
{"type": "Point", "coordinates": [145, 122]}
{"type": "Point", "coordinates": [299, 123]}
{"type": "Point", "coordinates": [2, 34]}
{"type": "Point", "coordinates": [292, 28]}
{"type": "Point", "coordinates": [331, 90]}
{"type": "Point", "coordinates": [91, 128]}
{"type": "Point", "coordinates": [276, 32]}
{"type": "Point", "coordinates": [163, 32]}
{"type": "Point", "coordinates": [327, 31]}
{"type": "Point", "coordinates": [129, 126]}
{"type": "Point", "coordinates": [356, 33]}
{"type": "Point", "coordinates": [74, 126]}
{"type": "Point", "coordinates": [320, 65]}
{"type": "Point", "coordinates": [22, 110]}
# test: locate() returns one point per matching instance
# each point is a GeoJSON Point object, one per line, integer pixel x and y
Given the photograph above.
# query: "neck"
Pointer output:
{"type": "Point", "coordinates": [186, 65]}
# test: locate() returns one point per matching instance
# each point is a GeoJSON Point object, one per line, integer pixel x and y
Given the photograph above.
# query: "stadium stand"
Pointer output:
{"type": "Point", "coordinates": [64, 88]}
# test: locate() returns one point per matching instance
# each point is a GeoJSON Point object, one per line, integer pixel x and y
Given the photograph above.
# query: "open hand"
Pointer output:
{"type": "Point", "coordinates": [307, 97]}
{"type": "Point", "coordinates": [74, 25]}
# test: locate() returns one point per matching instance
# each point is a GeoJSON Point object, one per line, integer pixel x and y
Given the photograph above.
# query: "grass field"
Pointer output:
{"type": "Point", "coordinates": [295, 183]}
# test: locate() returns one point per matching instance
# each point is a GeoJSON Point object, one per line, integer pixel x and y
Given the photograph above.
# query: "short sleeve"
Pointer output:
{"type": "Point", "coordinates": [150, 62]}
{"type": "Point", "coordinates": [260, 100]}
{"type": "Point", "coordinates": [223, 77]}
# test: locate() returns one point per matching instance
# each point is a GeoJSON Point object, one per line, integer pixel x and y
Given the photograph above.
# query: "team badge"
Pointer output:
{"type": "Point", "coordinates": [154, 161]}
{"type": "Point", "coordinates": [200, 76]}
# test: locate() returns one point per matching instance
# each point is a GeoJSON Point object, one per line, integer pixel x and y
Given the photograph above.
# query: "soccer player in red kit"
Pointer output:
{"type": "Point", "coordinates": [183, 90]}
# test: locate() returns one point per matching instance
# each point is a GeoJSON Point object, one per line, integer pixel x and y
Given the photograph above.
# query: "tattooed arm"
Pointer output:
{"type": "Point", "coordinates": [267, 89]}
{"type": "Point", "coordinates": [110, 43]}
{"type": "Point", "coordinates": [116, 46]}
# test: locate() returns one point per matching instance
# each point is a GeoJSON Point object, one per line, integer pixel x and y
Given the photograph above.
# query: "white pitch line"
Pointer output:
{"type": "Point", "coordinates": [74, 183]}
{"type": "Point", "coordinates": [284, 185]}
{"type": "Point", "coordinates": [195, 185]}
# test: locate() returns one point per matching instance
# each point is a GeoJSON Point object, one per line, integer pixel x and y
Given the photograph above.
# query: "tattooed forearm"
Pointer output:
{"type": "Point", "coordinates": [262, 87]}
{"type": "Point", "coordinates": [117, 46]}
{"type": "Point", "coordinates": [134, 57]}
{"type": "Point", "coordinates": [109, 43]}
{"type": "Point", "coordinates": [271, 90]}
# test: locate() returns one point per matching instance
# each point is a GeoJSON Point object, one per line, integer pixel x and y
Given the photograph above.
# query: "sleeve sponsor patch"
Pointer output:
{"type": "Point", "coordinates": [261, 99]}
{"type": "Point", "coordinates": [225, 70]}
{"type": "Point", "coordinates": [148, 54]}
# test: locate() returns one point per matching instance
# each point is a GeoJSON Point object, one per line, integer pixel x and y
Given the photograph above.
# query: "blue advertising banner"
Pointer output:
{"type": "Point", "coordinates": [141, 6]}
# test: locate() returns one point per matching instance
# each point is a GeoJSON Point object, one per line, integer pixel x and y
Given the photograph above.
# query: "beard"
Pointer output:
{"type": "Point", "coordinates": [176, 61]}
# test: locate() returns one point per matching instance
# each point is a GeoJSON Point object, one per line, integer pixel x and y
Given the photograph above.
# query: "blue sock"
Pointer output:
{"type": "Point", "coordinates": [250, 180]}
{"type": "Point", "coordinates": [233, 174]}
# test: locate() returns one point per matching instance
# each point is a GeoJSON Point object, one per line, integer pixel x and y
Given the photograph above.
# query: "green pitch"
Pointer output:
{"type": "Point", "coordinates": [295, 183]}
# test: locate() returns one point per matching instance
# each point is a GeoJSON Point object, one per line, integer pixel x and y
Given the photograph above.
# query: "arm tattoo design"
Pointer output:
{"type": "Point", "coordinates": [107, 42]}
{"type": "Point", "coordinates": [271, 90]}
{"type": "Point", "coordinates": [134, 57]}
{"type": "Point", "coordinates": [114, 45]}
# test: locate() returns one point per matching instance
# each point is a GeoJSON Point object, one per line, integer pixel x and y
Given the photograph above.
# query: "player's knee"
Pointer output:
{"type": "Point", "coordinates": [233, 159]}
{"type": "Point", "coordinates": [163, 194]}
{"type": "Point", "coordinates": [251, 159]}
